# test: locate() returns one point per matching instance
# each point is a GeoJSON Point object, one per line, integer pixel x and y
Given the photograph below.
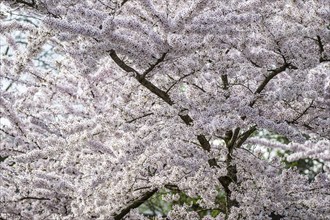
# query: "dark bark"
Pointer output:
{"type": "Point", "coordinates": [135, 204]}
{"type": "Point", "coordinates": [275, 216]}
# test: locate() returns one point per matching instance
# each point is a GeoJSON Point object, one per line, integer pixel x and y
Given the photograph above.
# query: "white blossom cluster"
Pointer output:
{"type": "Point", "coordinates": [147, 95]}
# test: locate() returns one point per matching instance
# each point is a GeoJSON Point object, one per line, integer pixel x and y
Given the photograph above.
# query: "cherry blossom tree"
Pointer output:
{"type": "Point", "coordinates": [150, 96]}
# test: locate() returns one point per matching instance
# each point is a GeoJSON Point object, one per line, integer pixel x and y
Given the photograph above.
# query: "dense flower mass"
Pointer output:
{"type": "Point", "coordinates": [106, 104]}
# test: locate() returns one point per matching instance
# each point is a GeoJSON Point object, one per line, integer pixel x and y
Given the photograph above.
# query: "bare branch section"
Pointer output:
{"type": "Point", "coordinates": [135, 204]}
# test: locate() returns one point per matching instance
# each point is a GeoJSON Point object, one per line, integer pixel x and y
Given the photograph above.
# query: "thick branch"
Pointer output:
{"type": "Point", "coordinates": [154, 89]}
{"type": "Point", "coordinates": [274, 73]}
{"type": "Point", "coordinates": [243, 137]}
{"type": "Point", "coordinates": [121, 63]}
{"type": "Point", "coordinates": [146, 83]}
{"type": "Point", "coordinates": [225, 82]}
{"type": "Point", "coordinates": [321, 50]}
{"type": "Point", "coordinates": [124, 2]}
{"type": "Point", "coordinates": [186, 118]}
{"type": "Point", "coordinates": [135, 204]}
{"type": "Point", "coordinates": [274, 216]}
{"type": "Point", "coordinates": [233, 140]}
{"type": "Point", "coordinates": [204, 142]}
{"type": "Point", "coordinates": [225, 181]}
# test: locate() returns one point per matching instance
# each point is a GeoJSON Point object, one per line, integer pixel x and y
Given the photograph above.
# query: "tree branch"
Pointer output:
{"type": "Point", "coordinates": [204, 142]}
{"type": "Point", "coordinates": [176, 82]}
{"type": "Point", "coordinates": [31, 4]}
{"type": "Point", "coordinates": [146, 83]}
{"type": "Point", "coordinates": [160, 93]}
{"type": "Point", "coordinates": [33, 198]}
{"type": "Point", "coordinates": [198, 87]}
{"type": "Point", "coordinates": [321, 50]}
{"type": "Point", "coordinates": [121, 63]}
{"type": "Point", "coordinates": [300, 115]}
{"type": "Point", "coordinates": [225, 82]}
{"type": "Point", "coordinates": [135, 204]}
{"type": "Point", "coordinates": [274, 73]}
{"type": "Point", "coordinates": [134, 119]}
{"type": "Point", "coordinates": [233, 139]}
{"type": "Point", "coordinates": [154, 89]}
{"type": "Point", "coordinates": [123, 2]}
{"type": "Point", "coordinates": [161, 59]}
{"type": "Point", "coordinates": [243, 137]}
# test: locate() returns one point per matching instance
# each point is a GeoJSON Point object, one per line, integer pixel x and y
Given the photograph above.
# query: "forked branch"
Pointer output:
{"type": "Point", "coordinates": [160, 93]}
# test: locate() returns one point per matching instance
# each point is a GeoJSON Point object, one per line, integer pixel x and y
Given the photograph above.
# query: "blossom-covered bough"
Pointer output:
{"type": "Point", "coordinates": [146, 96]}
